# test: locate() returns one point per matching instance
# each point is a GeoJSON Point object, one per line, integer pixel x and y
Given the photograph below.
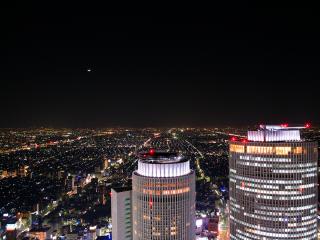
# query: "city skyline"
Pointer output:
{"type": "Point", "coordinates": [57, 183]}
{"type": "Point", "coordinates": [91, 70]}
{"type": "Point", "coordinates": [148, 126]}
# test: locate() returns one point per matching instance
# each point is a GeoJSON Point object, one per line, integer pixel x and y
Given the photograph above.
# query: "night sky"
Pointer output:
{"type": "Point", "coordinates": [232, 67]}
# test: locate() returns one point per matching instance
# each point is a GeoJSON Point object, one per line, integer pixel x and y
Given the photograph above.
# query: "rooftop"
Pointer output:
{"type": "Point", "coordinates": [42, 229]}
{"type": "Point", "coordinates": [160, 157]}
{"type": "Point", "coordinates": [276, 133]}
{"type": "Point", "coordinates": [283, 126]}
{"type": "Point", "coordinates": [122, 189]}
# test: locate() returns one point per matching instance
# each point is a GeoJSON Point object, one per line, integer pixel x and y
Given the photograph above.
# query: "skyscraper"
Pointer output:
{"type": "Point", "coordinates": [163, 197]}
{"type": "Point", "coordinates": [121, 213]}
{"type": "Point", "coordinates": [273, 185]}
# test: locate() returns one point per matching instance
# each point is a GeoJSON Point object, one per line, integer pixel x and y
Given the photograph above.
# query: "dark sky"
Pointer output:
{"type": "Point", "coordinates": [236, 66]}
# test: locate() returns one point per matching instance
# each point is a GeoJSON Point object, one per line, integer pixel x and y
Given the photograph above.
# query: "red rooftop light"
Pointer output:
{"type": "Point", "coordinates": [244, 140]}
{"type": "Point", "coordinates": [307, 125]}
{"type": "Point", "coordinates": [233, 139]}
{"type": "Point", "coordinates": [284, 125]}
{"type": "Point", "coordinates": [152, 151]}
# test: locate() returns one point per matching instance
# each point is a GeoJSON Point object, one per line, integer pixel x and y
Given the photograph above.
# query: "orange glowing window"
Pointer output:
{"type": "Point", "coordinates": [146, 217]}
{"type": "Point", "coordinates": [176, 191]}
{"type": "Point", "coordinates": [236, 148]}
{"type": "Point", "coordinates": [166, 192]}
{"type": "Point", "coordinates": [259, 150]}
{"type": "Point", "coordinates": [297, 150]}
{"type": "Point", "coordinates": [283, 150]}
{"type": "Point", "coordinates": [148, 191]}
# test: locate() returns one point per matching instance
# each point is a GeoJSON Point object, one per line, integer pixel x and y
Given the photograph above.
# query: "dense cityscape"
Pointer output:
{"type": "Point", "coordinates": [159, 127]}
{"type": "Point", "coordinates": [56, 183]}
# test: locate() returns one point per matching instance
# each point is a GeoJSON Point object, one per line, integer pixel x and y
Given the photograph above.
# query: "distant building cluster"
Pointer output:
{"type": "Point", "coordinates": [173, 184]}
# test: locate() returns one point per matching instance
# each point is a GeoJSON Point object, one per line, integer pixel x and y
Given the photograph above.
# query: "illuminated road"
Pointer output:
{"type": "Point", "coordinates": [172, 142]}
{"type": "Point", "coordinates": [223, 226]}
{"type": "Point", "coordinates": [169, 142]}
{"type": "Point", "coordinates": [201, 172]}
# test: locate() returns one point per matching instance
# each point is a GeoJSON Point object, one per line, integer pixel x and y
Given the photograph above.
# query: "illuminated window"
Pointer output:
{"type": "Point", "coordinates": [166, 192]}
{"type": "Point", "coordinates": [176, 191]}
{"type": "Point", "coordinates": [236, 148]}
{"type": "Point", "coordinates": [297, 150]}
{"type": "Point", "coordinates": [148, 191]}
{"type": "Point", "coordinates": [259, 150]}
{"type": "Point", "coordinates": [283, 150]}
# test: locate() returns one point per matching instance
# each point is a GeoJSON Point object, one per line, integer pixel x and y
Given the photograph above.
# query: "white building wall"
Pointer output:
{"type": "Point", "coordinates": [120, 212]}
{"type": "Point", "coordinates": [164, 169]}
{"type": "Point", "coordinates": [164, 207]}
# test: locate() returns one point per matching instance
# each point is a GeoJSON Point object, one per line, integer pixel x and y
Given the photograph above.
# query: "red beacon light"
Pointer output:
{"type": "Point", "coordinates": [152, 151]}
{"type": "Point", "coordinates": [284, 125]}
{"type": "Point", "coordinates": [233, 139]}
{"type": "Point", "coordinates": [307, 125]}
{"type": "Point", "coordinates": [244, 140]}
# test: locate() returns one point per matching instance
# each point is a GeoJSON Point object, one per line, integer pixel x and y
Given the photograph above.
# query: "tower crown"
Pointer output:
{"type": "Point", "coordinates": [276, 133]}
{"type": "Point", "coordinates": [162, 164]}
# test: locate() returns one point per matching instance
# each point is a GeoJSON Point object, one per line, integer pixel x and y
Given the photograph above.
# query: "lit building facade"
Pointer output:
{"type": "Point", "coordinates": [273, 185]}
{"type": "Point", "coordinates": [163, 198]}
{"type": "Point", "coordinates": [121, 213]}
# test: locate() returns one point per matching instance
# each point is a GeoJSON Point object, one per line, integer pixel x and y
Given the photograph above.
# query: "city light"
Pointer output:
{"type": "Point", "coordinates": [244, 140]}
{"type": "Point", "coordinates": [152, 151]}
{"type": "Point", "coordinates": [74, 170]}
{"type": "Point", "coordinates": [199, 222]}
{"type": "Point", "coordinates": [140, 127]}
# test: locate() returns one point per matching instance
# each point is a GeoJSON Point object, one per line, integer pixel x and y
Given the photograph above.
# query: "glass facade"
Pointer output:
{"type": "Point", "coordinates": [273, 190]}
{"type": "Point", "coordinates": [164, 207]}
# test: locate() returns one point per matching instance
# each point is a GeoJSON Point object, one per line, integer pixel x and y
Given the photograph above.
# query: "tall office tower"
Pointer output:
{"type": "Point", "coordinates": [121, 214]}
{"type": "Point", "coordinates": [163, 198]}
{"type": "Point", "coordinates": [273, 185]}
